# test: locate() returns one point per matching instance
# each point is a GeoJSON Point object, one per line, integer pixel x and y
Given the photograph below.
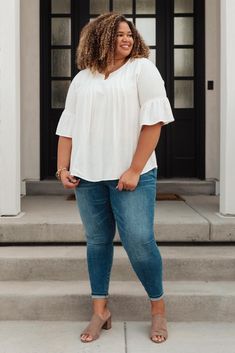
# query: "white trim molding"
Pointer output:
{"type": "Point", "coordinates": [9, 107]}
{"type": "Point", "coordinates": [227, 109]}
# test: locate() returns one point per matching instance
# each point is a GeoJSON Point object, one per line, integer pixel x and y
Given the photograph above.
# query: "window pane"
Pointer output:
{"type": "Point", "coordinates": [60, 31]}
{"type": "Point", "coordinates": [98, 7]}
{"type": "Point", "coordinates": [147, 29]}
{"type": "Point", "coordinates": [122, 6]}
{"type": "Point", "coordinates": [184, 62]}
{"type": "Point", "coordinates": [59, 91]}
{"type": "Point", "coordinates": [184, 94]}
{"type": "Point", "coordinates": [145, 7]}
{"type": "Point", "coordinates": [127, 17]}
{"type": "Point", "coordinates": [60, 62]}
{"type": "Point", "coordinates": [183, 6]}
{"type": "Point", "coordinates": [60, 6]}
{"type": "Point", "coordinates": [152, 56]}
{"type": "Point", "coordinates": [183, 30]}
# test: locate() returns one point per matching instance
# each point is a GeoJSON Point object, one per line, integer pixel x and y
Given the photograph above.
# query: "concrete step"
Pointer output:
{"type": "Point", "coordinates": [195, 262]}
{"type": "Point", "coordinates": [222, 228]}
{"type": "Point", "coordinates": [186, 186]}
{"type": "Point", "coordinates": [54, 219]}
{"type": "Point", "coordinates": [60, 300]}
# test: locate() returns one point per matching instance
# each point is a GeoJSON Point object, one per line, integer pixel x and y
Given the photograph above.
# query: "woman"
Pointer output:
{"type": "Point", "coordinates": [111, 124]}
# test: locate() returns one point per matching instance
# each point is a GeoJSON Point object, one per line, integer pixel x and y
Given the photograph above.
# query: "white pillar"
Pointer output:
{"type": "Point", "coordinates": [9, 107]}
{"type": "Point", "coordinates": [227, 111]}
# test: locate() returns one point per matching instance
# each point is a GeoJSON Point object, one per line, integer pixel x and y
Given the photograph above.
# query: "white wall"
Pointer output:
{"type": "Point", "coordinates": [30, 93]}
{"type": "Point", "coordinates": [213, 97]}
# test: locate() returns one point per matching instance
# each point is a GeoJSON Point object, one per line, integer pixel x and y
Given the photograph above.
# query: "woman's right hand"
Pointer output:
{"type": "Point", "coordinates": [69, 181]}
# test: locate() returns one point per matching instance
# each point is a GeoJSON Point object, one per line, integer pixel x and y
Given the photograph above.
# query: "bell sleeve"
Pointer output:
{"type": "Point", "coordinates": [66, 122]}
{"type": "Point", "coordinates": [154, 104]}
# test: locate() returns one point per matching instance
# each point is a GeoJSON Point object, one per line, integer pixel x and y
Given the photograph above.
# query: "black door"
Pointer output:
{"type": "Point", "coordinates": [174, 30]}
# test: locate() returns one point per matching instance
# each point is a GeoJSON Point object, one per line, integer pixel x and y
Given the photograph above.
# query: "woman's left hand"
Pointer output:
{"type": "Point", "coordinates": [128, 180]}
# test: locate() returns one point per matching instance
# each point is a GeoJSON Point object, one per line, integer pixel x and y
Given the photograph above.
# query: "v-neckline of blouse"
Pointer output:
{"type": "Point", "coordinates": [113, 72]}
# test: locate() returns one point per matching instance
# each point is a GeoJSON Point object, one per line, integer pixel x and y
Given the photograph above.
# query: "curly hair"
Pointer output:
{"type": "Point", "coordinates": [97, 43]}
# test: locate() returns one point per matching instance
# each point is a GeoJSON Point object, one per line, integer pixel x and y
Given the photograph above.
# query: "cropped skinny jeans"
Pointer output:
{"type": "Point", "coordinates": [102, 206]}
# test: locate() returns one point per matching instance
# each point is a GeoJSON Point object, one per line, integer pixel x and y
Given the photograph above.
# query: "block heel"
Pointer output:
{"type": "Point", "coordinates": [108, 324]}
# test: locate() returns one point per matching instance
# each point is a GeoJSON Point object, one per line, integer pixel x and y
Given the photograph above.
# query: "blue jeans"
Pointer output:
{"type": "Point", "coordinates": [101, 207]}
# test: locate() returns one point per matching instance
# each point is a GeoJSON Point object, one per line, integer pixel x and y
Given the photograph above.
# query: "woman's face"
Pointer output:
{"type": "Point", "coordinates": [124, 42]}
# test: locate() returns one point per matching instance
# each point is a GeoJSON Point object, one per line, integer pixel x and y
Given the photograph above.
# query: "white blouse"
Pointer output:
{"type": "Point", "coordinates": [104, 118]}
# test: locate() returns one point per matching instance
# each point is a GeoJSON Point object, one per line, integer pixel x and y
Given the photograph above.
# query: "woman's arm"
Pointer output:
{"type": "Point", "coordinates": [147, 142]}
{"type": "Point", "coordinates": [64, 152]}
{"type": "Point", "coordinates": [63, 161]}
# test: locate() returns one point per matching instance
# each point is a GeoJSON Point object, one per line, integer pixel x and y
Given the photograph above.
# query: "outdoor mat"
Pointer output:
{"type": "Point", "coordinates": [70, 197]}
{"type": "Point", "coordinates": [168, 197]}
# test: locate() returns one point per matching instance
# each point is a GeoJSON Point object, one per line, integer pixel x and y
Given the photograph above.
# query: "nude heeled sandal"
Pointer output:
{"type": "Point", "coordinates": [158, 328]}
{"type": "Point", "coordinates": [95, 326]}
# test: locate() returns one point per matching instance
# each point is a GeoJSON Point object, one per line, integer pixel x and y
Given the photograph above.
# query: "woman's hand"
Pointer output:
{"type": "Point", "coordinates": [69, 181]}
{"type": "Point", "coordinates": [128, 180]}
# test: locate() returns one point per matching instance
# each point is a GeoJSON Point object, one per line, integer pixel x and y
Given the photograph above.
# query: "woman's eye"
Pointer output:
{"type": "Point", "coordinates": [121, 35]}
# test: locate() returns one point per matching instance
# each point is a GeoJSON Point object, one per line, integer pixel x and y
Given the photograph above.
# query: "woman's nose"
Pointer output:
{"type": "Point", "coordinates": [125, 38]}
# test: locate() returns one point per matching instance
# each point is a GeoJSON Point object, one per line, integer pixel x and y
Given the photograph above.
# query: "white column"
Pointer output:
{"type": "Point", "coordinates": [227, 111]}
{"type": "Point", "coordinates": [10, 107]}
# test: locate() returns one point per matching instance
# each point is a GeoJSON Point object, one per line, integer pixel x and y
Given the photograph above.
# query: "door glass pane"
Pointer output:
{"type": "Point", "coordinates": [60, 6]}
{"type": "Point", "coordinates": [184, 62]}
{"type": "Point", "coordinates": [184, 94]}
{"type": "Point", "coordinates": [183, 6]}
{"type": "Point", "coordinates": [122, 6]}
{"type": "Point", "coordinates": [59, 91]}
{"type": "Point", "coordinates": [183, 30]}
{"type": "Point", "coordinates": [60, 31]}
{"type": "Point", "coordinates": [98, 7]}
{"type": "Point", "coordinates": [145, 7]}
{"type": "Point", "coordinates": [127, 17]}
{"type": "Point", "coordinates": [60, 62]}
{"type": "Point", "coordinates": [147, 29]}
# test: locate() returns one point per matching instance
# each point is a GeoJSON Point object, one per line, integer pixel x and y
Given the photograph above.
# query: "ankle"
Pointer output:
{"type": "Point", "coordinates": [158, 307]}
{"type": "Point", "coordinates": [103, 314]}
{"type": "Point", "coordinates": [100, 308]}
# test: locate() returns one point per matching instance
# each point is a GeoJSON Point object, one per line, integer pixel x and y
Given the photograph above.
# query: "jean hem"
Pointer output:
{"type": "Point", "coordinates": [94, 296]}
{"type": "Point", "coordinates": [156, 299]}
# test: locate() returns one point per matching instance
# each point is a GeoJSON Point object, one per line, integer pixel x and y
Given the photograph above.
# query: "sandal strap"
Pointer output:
{"type": "Point", "coordinates": [94, 327]}
{"type": "Point", "coordinates": [159, 326]}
